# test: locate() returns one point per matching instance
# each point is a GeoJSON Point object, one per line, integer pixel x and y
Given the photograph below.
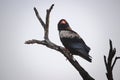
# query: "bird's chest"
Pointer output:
{"type": "Point", "coordinates": [67, 34]}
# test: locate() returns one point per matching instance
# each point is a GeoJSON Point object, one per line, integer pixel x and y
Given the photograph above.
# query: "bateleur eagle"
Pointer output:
{"type": "Point", "coordinates": [72, 41]}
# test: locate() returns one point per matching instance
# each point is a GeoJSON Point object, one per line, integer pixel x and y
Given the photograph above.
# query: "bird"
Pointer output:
{"type": "Point", "coordinates": [72, 41]}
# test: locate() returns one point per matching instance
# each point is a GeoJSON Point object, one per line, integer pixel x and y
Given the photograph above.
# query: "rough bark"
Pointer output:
{"type": "Point", "coordinates": [84, 74]}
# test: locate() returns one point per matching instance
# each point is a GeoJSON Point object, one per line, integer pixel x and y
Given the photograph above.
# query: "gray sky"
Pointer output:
{"type": "Point", "coordinates": [96, 21]}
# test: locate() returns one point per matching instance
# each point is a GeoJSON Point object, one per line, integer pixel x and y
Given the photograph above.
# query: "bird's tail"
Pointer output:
{"type": "Point", "coordinates": [86, 56]}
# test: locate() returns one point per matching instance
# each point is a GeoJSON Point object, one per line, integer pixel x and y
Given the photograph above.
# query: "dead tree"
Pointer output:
{"type": "Point", "coordinates": [84, 74]}
{"type": "Point", "coordinates": [109, 62]}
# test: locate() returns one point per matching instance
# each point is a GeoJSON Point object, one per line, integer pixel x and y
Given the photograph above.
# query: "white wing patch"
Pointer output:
{"type": "Point", "coordinates": [68, 34]}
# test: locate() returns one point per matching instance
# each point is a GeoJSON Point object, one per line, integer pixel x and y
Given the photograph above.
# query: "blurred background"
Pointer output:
{"type": "Point", "coordinates": [95, 21]}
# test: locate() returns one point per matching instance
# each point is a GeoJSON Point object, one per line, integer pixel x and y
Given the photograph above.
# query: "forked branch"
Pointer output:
{"type": "Point", "coordinates": [108, 62]}
{"type": "Point", "coordinates": [58, 48]}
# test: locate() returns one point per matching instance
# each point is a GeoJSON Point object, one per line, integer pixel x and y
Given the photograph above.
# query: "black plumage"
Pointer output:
{"type": "Point", "coordinates": [72, 41]}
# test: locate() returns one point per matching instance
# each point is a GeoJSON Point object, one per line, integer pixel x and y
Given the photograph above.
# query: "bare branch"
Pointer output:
{"type": "Point", "coordinates": [47, 22]}
{"type": "Point", "coordinates": [115, 61]}
{"type": "Point", "coordinates": [111, 53]}
{"type": "Point", "coordinates": [39, 18]}
{"type": "Point", "coordinates": [108, 62]}
{"type": "Point", "coordinates": [66, 53]}
{"type": "Point", "coordinates": [33, 41]}
{"type": "Point", "coordinates": [47, 15]}
{"type": "Point", "coordinates": [105, 61]}
{"type": "Point", "coordinates": [51, 45]}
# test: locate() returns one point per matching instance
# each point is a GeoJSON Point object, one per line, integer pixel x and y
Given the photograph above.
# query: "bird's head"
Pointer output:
{"type": "Point", "coordinates": [63, 25]}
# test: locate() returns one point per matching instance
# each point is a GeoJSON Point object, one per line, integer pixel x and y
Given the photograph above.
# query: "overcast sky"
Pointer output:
{"type": "Point", "coordinates": [96, 21]}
